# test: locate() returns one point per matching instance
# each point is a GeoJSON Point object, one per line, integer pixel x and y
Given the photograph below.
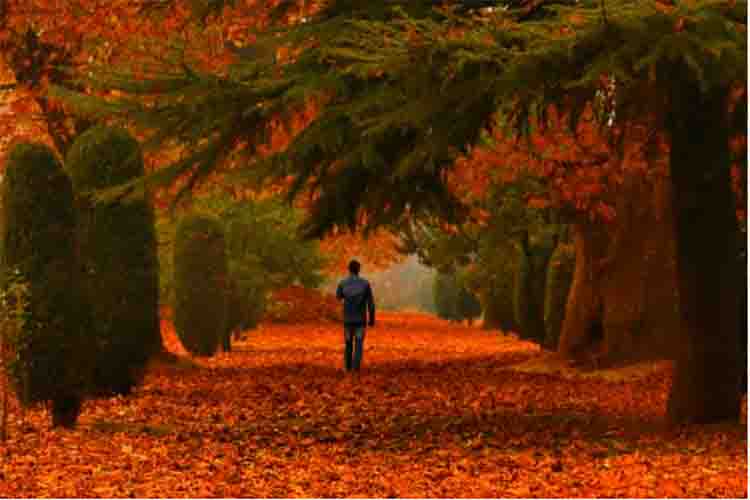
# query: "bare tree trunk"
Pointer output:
{"type": "Point", "coordinates": [624, 286]}
{"type": "Point", "coordinates": [708, 370]}
{"type": "Point", "coordinates": [583, 307]}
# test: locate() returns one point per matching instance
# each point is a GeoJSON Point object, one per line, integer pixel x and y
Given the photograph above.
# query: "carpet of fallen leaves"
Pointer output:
{"type": "Point", "coordinates": [297, 304]}
{"type": "Point", "coordinates": [439, 410]}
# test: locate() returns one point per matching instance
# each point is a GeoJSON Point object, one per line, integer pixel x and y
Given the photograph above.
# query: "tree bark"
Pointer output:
{"type": "Point", "coordinates": [530, 290]}
{"type": "Point", "coordinates": [623, 302]}
{"type": "Point", "coordinates": [584, 304]}
{"type": "Point", "coordinates": [65, 411]}
{"type": "Point", "coordinates": [711, 269]}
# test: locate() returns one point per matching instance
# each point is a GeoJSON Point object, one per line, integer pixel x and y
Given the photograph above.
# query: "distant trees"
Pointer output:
{"type": "Point", "coordinates": [388, 132]}
{"type": "Point", "coordinates": [453, 301]}
{"type": "Point", "coordinates": [263, 250]}
{"type": "Point", "coordinates": [406, 285]}
{"type": "Point", "coordinates": [504, 260]}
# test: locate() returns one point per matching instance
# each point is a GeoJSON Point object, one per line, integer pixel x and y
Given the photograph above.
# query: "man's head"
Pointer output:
{"type": "Point", "coordinates": [354, 267]}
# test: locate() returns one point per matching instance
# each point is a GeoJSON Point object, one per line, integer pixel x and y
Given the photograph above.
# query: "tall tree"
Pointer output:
{"type": "Point", "coordinates": [403, 89]}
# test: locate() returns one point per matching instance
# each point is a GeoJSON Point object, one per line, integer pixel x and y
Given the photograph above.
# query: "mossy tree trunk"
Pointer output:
{"type": "Point", "coordinates": [709, 368]}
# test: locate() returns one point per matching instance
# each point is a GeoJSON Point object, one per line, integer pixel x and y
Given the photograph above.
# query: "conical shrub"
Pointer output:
{"type": "Point", "coordinates": [118, 257]}
{"type": "Point", "coordinates": [201, 284]}
{"type": "Point", "coordinates": [53, 360]}
{"type": "Point", "coordinates": [246, 292]}
{"type": "Point", "coordinates": [559, 280]}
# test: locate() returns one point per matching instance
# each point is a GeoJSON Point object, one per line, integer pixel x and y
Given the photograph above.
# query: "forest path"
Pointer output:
{"type": "Point", "coordinates": [439, 410]}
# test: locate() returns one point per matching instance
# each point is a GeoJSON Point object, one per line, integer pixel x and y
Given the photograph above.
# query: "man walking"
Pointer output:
{"type": "Point", "coordinates": [358, 302]}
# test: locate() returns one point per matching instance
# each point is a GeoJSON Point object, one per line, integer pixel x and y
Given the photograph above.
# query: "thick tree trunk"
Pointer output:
{"type": "Point", "coordinates": [558, 280]}
{"type": "Point", "coordinates": [708, 370]}
{"type": "Point", "coordinates": [583, 308]}
{"type": "Point", "coordinates": [623, 302]}
{"type": "Point", "coordinates": [65, 411]}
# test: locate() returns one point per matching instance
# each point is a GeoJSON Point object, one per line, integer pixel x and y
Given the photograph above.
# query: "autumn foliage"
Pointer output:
{"type": "Point", "coordinates": [583, 169]}
{"type": "Point", "coordinates": [439, 411]}
{"type": "Point", "coordinates": [296, 304]}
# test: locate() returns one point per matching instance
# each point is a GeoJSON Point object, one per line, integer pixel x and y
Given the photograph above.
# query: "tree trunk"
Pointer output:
{"type": "Point", "coordinates": [532, 279]}
{"type": "Point", "coordinates": [558, 280]}
{"type": "Point", "coordinates": [65, 411]}
{"type": "Point", "coordinates": [583, 308]}
{"type": "Point", "coordinates": [491, 318]}
{"type": "Point", "coordinates": [623, 301]}
{"type": "Point", "coordinates": [711, 271]}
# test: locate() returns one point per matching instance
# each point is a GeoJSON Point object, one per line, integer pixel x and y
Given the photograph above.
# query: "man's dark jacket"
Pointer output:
{"type": "Point", "coordinates": [358, 300]}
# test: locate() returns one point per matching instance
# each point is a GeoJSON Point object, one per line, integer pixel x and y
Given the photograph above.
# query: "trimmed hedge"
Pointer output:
{"type": "Point", "coordinates": [201, 284]}
{"type": "Point", "coordinates": [118, 258]}
{"type": "Point", "coordinates": [53, 356]}
{"type": "Point", "coordinates": [247, 291]}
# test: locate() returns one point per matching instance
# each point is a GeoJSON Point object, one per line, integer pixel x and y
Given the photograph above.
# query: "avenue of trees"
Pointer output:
{"type": "Point", "coordinates": [629, 119]}
{"type": "Point", "coordinates": [82, 294]}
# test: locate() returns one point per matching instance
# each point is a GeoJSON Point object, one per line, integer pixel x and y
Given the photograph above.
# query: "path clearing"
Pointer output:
{"type": "Point", "coordinates": [436, 412]}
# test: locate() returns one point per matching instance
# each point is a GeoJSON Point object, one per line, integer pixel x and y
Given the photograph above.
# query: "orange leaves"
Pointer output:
{"type": "Point", "coordinates": [536, 202]}
{"type": "Point", "coordinates": [296, 304]}
{"type": "Point", "coordinates": [22, 106]}
{"type": "Point", "coordinates": [376, 252]}
{"type": "Point", "coordinates": [584, 172]}
{"type": "Point", "coordinates": [439, 411]}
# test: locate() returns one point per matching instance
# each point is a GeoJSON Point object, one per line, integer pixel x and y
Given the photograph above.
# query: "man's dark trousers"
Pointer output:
{"type": "Point", "coordinates": [354, 335]}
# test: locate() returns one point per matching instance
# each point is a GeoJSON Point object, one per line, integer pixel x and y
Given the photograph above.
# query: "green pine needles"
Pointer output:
{"type": "Point", "coordinates": [404, 89]}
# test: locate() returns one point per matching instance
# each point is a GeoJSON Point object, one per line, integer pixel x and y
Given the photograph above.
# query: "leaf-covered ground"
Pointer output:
{"type": "Point", "coordinates": [438, 411]}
